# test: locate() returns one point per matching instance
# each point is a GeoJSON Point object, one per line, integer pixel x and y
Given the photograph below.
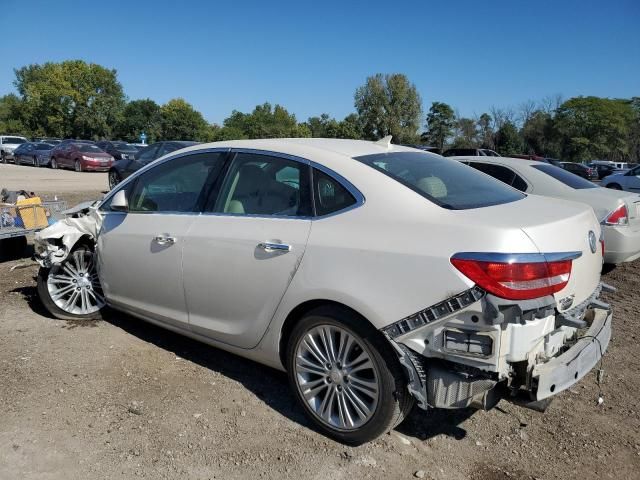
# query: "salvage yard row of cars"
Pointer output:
{"type": "Point", "coordinates": [377, 276]}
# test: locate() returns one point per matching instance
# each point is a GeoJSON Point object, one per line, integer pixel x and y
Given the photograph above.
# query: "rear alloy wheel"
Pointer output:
{"type": "Point", "coordinates": [54, 164]}
{"type": "Point", "coordinates": [346, 376]}
{"type": "Point", "coordinates": [71, 290]}
{"type": "Point", "coordinates": [77, 166]}
{"type": "Point", "coordinates": [614, 186]}
{"type": "Point", "coordinates": [114, 179]}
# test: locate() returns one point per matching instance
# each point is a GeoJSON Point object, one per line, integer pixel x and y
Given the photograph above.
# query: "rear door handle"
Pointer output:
{"type": "Point", "coordinates": [164, 239]}
{"type": "Point", "coordinates": [274, 247]}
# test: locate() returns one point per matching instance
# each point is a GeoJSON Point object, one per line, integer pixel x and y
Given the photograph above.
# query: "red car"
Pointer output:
{"type": "Point", "coordinates": [81, 157]}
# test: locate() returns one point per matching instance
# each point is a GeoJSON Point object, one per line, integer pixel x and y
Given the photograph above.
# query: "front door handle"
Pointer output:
{"type": "Point", "coordinates": [164, 239]}
{"type": "Point", "coordinates": [274, 247]}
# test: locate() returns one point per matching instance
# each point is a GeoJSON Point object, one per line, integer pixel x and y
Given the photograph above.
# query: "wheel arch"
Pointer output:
{"type": "Point", "coordinates": [298, 312]}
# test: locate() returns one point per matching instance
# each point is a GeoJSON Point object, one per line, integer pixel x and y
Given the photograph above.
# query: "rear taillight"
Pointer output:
{"type": "Point", "coordinates": [524, 278]}
{"type": "Point", "coordinates": [620, 216]}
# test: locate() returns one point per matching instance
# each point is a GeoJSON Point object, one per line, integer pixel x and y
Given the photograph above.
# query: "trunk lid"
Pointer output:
{"type": "Point", "coordinates": [555, 226]}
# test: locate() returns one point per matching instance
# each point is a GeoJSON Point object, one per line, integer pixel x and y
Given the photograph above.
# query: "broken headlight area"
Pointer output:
{"type": "Point", "coordinates": [485, 348]}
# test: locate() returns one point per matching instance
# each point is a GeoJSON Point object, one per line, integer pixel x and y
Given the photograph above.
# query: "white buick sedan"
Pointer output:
{"type": "Point", "coordinates": [377, 276]}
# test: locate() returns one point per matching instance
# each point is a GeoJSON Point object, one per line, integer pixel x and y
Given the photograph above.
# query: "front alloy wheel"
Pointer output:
{"type": "Point", "coordinates": [71, 290]}
{"type": "Point", "coordinates": [346, 375]}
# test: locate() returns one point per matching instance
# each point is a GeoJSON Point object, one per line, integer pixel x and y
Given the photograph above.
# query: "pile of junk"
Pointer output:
{"type": "Point", "coordinates": [23, 212]}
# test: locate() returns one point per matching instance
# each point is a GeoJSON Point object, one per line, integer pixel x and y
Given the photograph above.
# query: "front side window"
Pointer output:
{"type": "Point", "coordinates": [562, 175]}
{"type": "Point", "coordinates": [44, 146]}
{"type": "Point", "coordinates": [329, 195]}
{"type": "Point", "coordinates": [265, 185]}
{"type": "Point", "coordinates": [180, 185]}
{"type": "Point", "coordinates": [447, 183]}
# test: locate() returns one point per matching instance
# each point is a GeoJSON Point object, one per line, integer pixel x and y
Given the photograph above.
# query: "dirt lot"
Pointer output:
{"type": "Point", "coordinates": [120, 398]}
{"type": "Point", "coordinates": [15, 177]}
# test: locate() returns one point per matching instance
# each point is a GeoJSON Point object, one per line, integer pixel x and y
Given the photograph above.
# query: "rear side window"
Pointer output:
{"type": "Point", "coordinates": [447, 183]}
{"type": "Point", "coordinates": [504, 174]}
{"type": "Point", "coordinates": [329, 195]}
{"type": "Point", "coordinates": [568, 178]}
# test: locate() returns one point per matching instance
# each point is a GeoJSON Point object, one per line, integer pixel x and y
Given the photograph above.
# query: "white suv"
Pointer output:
{"type": "Point", "coordinates": [8, 143]}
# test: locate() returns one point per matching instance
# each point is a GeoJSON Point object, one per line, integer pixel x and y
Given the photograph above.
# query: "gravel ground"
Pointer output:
{"type": "Point", "coordinates": [122, 398]}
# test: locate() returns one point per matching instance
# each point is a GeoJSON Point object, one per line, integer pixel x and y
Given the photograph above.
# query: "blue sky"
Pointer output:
{"type": "Point", "coordinates": [311, 56]}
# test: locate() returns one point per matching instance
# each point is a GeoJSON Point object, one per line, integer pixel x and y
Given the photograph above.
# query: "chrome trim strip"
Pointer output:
{"type": "Point", "coordinates": [517, 257]}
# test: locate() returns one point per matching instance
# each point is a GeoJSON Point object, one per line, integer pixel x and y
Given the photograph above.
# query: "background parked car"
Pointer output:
{"type": "Point", "coordinates": [8, 143]}
{"type": "Point", "coordinates": [80, 156]}
{"type": "Point", "coordinates": [123, 168]}
{"type": "Point", "coordinates": [615, 210]}
{"type": "Point", "coordinates": [627, 180]}
{"type": "Point", "coordinates": [118, 150]}
{"type": "Point", "coordinates": [473, 152]}
{"type": "Point", "coordinates": [37, 154]}
{"type": "Point", "coordinates": [580, 170]}
{"type": "Point", "coordinates": [52, 141]}
{"type": "Point", "coordinates": [604, 170]}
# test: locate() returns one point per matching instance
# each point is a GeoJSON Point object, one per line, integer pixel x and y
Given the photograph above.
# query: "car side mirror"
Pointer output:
{"type": "Point", "coordinates": [119, 202]}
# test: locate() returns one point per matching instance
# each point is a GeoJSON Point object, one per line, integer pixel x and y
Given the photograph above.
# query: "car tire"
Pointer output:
{"type": "Point", "coordinates": [3, 158]}
{"type": "Point", "coordinates": [77, 166]}
{"type": "Point", "coordinates": [36, 162]}
{"type": "Point", "coordinates": [361, 392]}
{"type": "Point", "coordinates": [614, 186]}
{"type": "Point", "coordinates": [114, 178]}
{"type": "Point", "coordinates": [54, 164]}
{"type": "Point", "coordinates": [85, 301]}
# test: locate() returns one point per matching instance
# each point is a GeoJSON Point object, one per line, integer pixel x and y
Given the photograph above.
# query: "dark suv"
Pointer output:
{"type": "Point", "coordinates": [123, 168]}
{"type": "Point", "coordinates": [118, 150]}
{"type": "Point", "coordinates": [580, 170]}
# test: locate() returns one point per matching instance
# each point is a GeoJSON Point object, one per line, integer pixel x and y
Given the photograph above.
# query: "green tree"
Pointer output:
{"type": "Point", "coordinates": [634, 131]}
{"type": "Point", "coordinates": [140, 116]}
{"type": "Point", "coordinates": [466, 133]}
{"type": "Point", "coordinates": [439, 126]}
{"type": "Point", "coordinates": [508, 139]}
{"type": "Point", "coordinates": [70, 99]}
{"type": "Point", "coordinates": [389, 105]}
{"type": "Point", "coordinates": [265, 121]}
{"type": "Point", "coordinates": [593, 127]}
{"type": "Point", "coordinates": [485, 131]}
{"type": "Point", "coordinates": [180, 121]}
{"type": "Point", "coordinates": [11, 115]}
{"type": "Point", "coordinates": [539, 136]}
{"type": "Point", "coordinates": [350, 127]}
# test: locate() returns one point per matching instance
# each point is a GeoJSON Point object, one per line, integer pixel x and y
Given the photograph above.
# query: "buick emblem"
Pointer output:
{"type": "Point", "coordinates": [593, 242]}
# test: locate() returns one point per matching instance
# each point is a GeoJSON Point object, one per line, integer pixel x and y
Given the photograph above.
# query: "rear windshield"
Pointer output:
{"type": "Point", "coordinates": [447, 183]}
{"type": "Point", "coordinates": [568, 178]}
{"type": "Point", "coordinates": [14, 140]}
{"type": "Point", "coordinates": [87, 147]}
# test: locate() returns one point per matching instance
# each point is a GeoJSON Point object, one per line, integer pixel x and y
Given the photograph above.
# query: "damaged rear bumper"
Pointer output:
{"type": "Point", "coordinates": [526, 357]}
{"type": "Point", "coordinates": [563, 371]}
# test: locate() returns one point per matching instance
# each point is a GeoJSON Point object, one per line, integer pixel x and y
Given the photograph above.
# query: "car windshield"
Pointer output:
{"type": "Point", "coordinates": [447, 183]}
{"type": "Point", "coordinates": [568, 178]}
{"type": "Point", "coordinates": [124, 147]}
{"type": "Point", "coordinates": [14, 140]}
{"type": "Point", "coordinates": [87, 147]}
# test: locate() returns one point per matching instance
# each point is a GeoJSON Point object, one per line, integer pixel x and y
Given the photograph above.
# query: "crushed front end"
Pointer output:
{"type": "Point", "coordinates": [474, 348]}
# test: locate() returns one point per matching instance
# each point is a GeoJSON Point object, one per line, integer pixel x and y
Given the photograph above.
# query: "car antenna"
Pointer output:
{"type": "Point", "coordinates": [385, 142]}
